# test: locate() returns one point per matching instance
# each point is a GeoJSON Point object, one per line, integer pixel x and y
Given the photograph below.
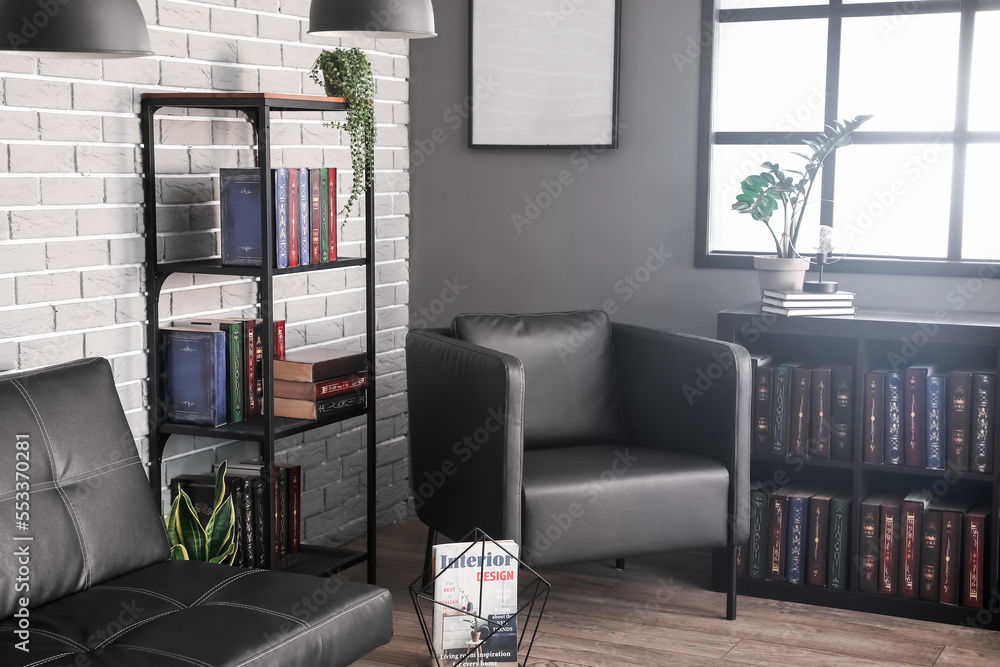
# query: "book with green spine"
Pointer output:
{"type": "Point", "coordinates": [324, 216]}
{"type": "Point", "coordinates": [781, 409]}
{"type": "Point", "coordinates": [839, 542]}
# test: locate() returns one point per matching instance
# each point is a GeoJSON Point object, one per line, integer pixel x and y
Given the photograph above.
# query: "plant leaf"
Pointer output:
{"type": "Point", "coordinates": [178, 552]}
{"type": "Point", "coordinates": [220, 528]}
{"type": "Point", "coordinates": [189, 530]}
{"type": "Point", "coordinates": [220, 487]}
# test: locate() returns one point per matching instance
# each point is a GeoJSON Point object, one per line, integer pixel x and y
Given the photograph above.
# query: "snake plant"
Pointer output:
{"type": "Point", "coordinates": [189, 540]}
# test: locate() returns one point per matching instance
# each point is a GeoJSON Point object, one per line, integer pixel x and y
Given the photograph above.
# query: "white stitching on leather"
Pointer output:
{"type": "Point", "coordinates": [52, 635]}
{"type": "Point", "coordinates": [133, 626]}
{"type": "Point", "coordinates": [75, 479]}
{"type": "Point", "coordinates": [183, 658]}
{"type": "Point", "coordinates": [41, 371]}
{"type": "Point", "coordinates": [318, 625]}
{"type": "Point", "coordinates": [46, 443]}
{"type": "Point", "coordinates": [260, 610]}
{"type": "Point", "coordinates": [143, 591]}
{"type": "Point", "coordinates": [218, 586]}
{"type": "Point", "coordinates": [49, 659]}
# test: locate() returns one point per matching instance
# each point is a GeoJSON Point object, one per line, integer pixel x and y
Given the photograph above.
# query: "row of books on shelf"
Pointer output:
{"type": "Point", "coordinates": [908, 546]}
{"type": "Point", "coordinates": [802, 411]}
{"type": "Point", "coordinates": [797, 303]}
{"type": "Point", "coordinates": [212, 374]}
{"type": "Point", "coordinates": [919, 417]}
{"type": "Point", "coordinates": [305, 216]}
{"type": "Point", "coordinates": [249, 487]}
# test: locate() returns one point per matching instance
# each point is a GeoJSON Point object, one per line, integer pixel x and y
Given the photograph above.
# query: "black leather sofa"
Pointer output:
{"type": "Point", "coordinates": [93, 586]}
{"type": "Point", "coordinates": [581, 439]}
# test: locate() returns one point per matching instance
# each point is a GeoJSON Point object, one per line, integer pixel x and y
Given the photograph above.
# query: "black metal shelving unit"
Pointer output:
{"type": "Point", "coordinates": [873, 339]}
{"type": "Point", "coordinates": [264, 430]}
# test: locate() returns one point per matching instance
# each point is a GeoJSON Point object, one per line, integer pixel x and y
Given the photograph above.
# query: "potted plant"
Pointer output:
{"type": "Point", "coordinates": [761, 194]}
{"type": "Point", "coordinates": [189, 540]}
{"type": "Point", "coordinates": [348, 74]}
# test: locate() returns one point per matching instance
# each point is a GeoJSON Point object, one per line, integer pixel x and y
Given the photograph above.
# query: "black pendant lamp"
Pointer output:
{"type": "Point", "coordinates": [74, 28]}
{"type": "Point", "coordinates": [378, 19]}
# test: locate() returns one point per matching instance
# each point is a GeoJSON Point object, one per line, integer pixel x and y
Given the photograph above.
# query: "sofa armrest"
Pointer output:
{"type": "Point", "coordinates": [689, 394]}
{"type": "Point", "coordinates": [466, 404]}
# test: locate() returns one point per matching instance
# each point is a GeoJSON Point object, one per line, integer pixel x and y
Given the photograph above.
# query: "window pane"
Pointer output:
{"type": "Point", "coordinates": [984, 103]}
{"type": "Point", "coordinates": [753, 4]}
{"type": "Point", "coordinates": [752, 96]}
{"type": "Point", "coordinates": [981, 221]}
{"type": "Point", "coordinates": [738, 232]}
{"type": "Point", "coordinates": [893, 200]}
{"type": "Point", "coordinates": [901, 69]}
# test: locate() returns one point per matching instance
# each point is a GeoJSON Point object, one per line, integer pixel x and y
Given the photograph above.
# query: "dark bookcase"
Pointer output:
{"type": "Point", "coordinates": [257, 108]}
{"type": "Point", "coordinates": [872, 340]}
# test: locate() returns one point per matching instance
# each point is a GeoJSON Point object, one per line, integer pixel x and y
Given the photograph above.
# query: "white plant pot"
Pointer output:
{"type": "Point", "coordinates": [780, 273]}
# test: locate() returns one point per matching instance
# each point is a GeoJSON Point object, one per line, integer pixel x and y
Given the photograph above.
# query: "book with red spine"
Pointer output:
{"type": "Point", "coordinates": [820, 405]}
{"type": "Point", "coordinates": [915, 416]}
{"type": "Point", "coordinates": [777, 525]}
{"type": "Point", "coordinates": [889, 548]}
{"type": "Point", "coordinates": [291, 476]}
{"type": "Point", "coordinates": [974, 564]}
{"type": "Point", "coordinates": [949, 579]}
{"type": "Point", "coordinates": [958, 423]}
{"type": "Point", "coordinates": [910, 544]}
{"type": "Point", "coordinates": [279, 339]}
{"type": "Point", "coordinates": [250, 403]}
{"type": "Point", "coordinates": [872, 440]}
{"type": "Point", "coordinates": [293, 216]}
{"type": "Point", "coordinates": [798, 436]}
{"type": "Point", "coordinates": [930, 555]}
{"type": "Point", "coordinates": [868, 544]}
{"type": "Point", "coordinates": [315, 391]}
{"type": "Point", "coordinates": [315, 216]}
{"type": "Point", "coordinates": [816, 556]}
{"type": "Point", "coordinates": [332, 204]}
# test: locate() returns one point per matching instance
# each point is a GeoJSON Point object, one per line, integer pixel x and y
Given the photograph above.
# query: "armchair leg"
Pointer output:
{"type": "Point", "coordinates": [428, 556]}
{"type": "Point", "coordinates": [619, 564]}
{"type": "Point", "coordinates": [731, 583]}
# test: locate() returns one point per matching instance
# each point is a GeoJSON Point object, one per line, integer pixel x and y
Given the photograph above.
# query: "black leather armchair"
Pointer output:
{"type": "Point", "coordinates": [92, 585]}
{"type": "Point", "coordinates": [580, 439]}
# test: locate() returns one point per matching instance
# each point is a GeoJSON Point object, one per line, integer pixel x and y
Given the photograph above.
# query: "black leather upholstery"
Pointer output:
{"type": "Point", "coordinates": [101, 590]}
{"type": "Point", "coordinates": [571, 396]}
{"type": "Point", "coordinates": [662, 465]}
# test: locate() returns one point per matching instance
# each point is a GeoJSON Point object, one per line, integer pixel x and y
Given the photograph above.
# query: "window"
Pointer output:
{"type": "Point", "coordinates": [913, 195]}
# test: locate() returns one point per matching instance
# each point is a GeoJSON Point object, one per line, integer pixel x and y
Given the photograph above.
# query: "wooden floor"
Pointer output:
{"type": "Point", "coordinates": [659, 612]}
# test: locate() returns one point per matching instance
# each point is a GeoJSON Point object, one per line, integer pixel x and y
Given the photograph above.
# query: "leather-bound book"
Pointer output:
{"type": "Point", "coordinates": [279, 339]}
{"type": "Point", "coordinates": [911, 534]}
{"type": "Point", "coordinates": [798, 530]}
{"type": "Point", "coordinates": [777, 527]}
{"type": "Point", "coordinates": [889, 547]}
{"type": "Point", "coordinates": [315, 391]}
{"type": "Point", "coordinates": [841, 412]}
{"type": "Point", "coordinates": [781, 399]}
{"type": "Point", "coordinates": [757, 547]}
{"type": "Point", "coordinates": [984, 387]}
{"type": "Point", "coordinates": [195, 378]}
{"type": "Point", "coordinates": [294, 505]}
{"type": "Point", "coordinates": [331, 195]}
{"type": "Point", "coordinates": [840, 548]}
{"type": "Point", "coordinates": [893, 418]}
{"type": "Point", "coordinates": [281, 217]}
{"type": "Point", "coordinates": [959, 419]}
{"type": "Point", "coordinates": [239, 217]}
{"type": "Point", "coordinates": [328, 408]}
{"type": "Point", "coordinates": [930, 555]}
{"type": "Point", "coordinates": [873, 437]}
{"type": "Point", "coordinates": [762, 380]}
{"type": "Point", "coordinates": [247, 531]}
{"type": "Point", "coordinates": [798, 436]}
{"type": "Point", "coordinates": [937, 394]}
{"type": "Point", "coordinates": [817, 539]}
{"type": "Point", "coordinates": [949, 571]}
{"type": "Point", "coordinates": [305, 209]}
{"type": "Point", "coordinates": [975, 567]}
{"type": "Point", "coordinates": [260, 491]}
{"type": "Point", "coordinates": [871, 510]}
{"type": "Point", "coordinates": [293, 216]}
{"type": "Point", "coordinates": [915, 416]}
{"type": "Point", "coordinates": [324, 216]}
{"type": "Point", "coordinates": [239, 509]}
{"type": "Point", "coordinates": [315, 365]}
{"type": "Point", "coordinates": [820, 404]}
{"type": "Point", "coordinates": [315, 215]}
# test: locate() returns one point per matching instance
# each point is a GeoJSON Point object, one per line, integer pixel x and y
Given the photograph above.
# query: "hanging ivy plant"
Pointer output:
{"type": "Point", "coordinates": [348, 74]}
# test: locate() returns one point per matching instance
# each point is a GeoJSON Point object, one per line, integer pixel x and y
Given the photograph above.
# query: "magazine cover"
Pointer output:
{"type": "Point", "coordinates": [479, 587]}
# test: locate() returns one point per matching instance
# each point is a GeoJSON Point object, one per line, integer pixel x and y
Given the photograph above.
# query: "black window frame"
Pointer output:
{"type": "Point", "coordinates": [960, 138]}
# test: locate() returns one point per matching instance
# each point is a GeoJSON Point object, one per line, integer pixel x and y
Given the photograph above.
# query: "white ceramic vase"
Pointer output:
{"type": "Point", "coordinates": [780, 273]}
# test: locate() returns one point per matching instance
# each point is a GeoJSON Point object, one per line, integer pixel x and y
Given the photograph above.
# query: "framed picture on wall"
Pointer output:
{"type": "Point", "coordinates": [544, 73]}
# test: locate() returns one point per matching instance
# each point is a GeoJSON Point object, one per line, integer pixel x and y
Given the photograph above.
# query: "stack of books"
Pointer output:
{"type": "Point", "coordinates": [314, 383]}
{"type": "Point", "coordinates": [796, 303]}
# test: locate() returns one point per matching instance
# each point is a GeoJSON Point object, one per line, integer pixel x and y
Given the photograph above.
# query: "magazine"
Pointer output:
{"type": "Point", "coordinates": [476, 584]}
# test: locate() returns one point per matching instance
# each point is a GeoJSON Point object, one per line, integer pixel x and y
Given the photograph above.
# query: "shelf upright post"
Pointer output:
{"type": "Point", "coordinates": [370, 348]}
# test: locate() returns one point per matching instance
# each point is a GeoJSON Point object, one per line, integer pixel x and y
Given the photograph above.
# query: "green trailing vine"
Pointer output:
{"type": "Point", "coordinates": [347, 73]}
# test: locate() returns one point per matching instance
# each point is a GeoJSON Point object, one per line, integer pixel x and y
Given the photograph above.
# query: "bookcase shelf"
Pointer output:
{"type": "Point", "coordinates": [874, 339]}
{"type": "Point", "coordinates": [258, 109]}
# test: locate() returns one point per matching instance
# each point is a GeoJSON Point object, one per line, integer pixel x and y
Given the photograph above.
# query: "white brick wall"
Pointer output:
{"type": "Point", "coordinates": [71, 242]}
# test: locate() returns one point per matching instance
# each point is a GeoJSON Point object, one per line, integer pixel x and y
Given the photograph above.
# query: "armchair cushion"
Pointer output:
{"type": "Point", "coordinates": [571, 393]}
{"type": "Point", "coordinates": [594, 502]}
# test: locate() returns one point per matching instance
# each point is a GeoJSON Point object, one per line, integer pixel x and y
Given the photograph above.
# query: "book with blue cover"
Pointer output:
{"type": "Point", "coordinates": [281, 219]}
{"type": "Point", "coordinates": [893, 418]}
{"type": "Point", "coordinates": [240, 223]}
{"type": "Point", "coordinates": [798, 509]}
{"type": "Point", "coordinates": [194, 376]}
{"type": "Point", "coordinates": [936, 420]}
{"type": "Point", "coordinates": [305, 237]}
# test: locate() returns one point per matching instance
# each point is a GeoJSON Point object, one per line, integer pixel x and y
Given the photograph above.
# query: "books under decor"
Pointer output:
{"type": "Point", "coordinates": [796, 303]}
{"type": "Point", "coordinates": [475, 595]}
{"type": "Point", "coordinates": [239, 217]}
{"type": "Point", "coordinates": [313, 409]}
{"type": "Point", "coordinates": [283, 485]}
{"type": "Point", "coordinates": [194, 376]}
{"type": "Point", "coordinates": [316, 364]}
{"type": "Point", "coordinates": [315, 391]}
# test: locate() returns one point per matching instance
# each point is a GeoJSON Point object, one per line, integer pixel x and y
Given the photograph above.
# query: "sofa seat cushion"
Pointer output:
{"type": "Point", "coordinates": [186, 613]}
{"type": "Point", "coordinates": [593, 502]}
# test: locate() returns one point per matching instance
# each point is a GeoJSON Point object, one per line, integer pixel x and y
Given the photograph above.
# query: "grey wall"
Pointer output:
{"type": "Point", "coordinates": [467, 255]}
